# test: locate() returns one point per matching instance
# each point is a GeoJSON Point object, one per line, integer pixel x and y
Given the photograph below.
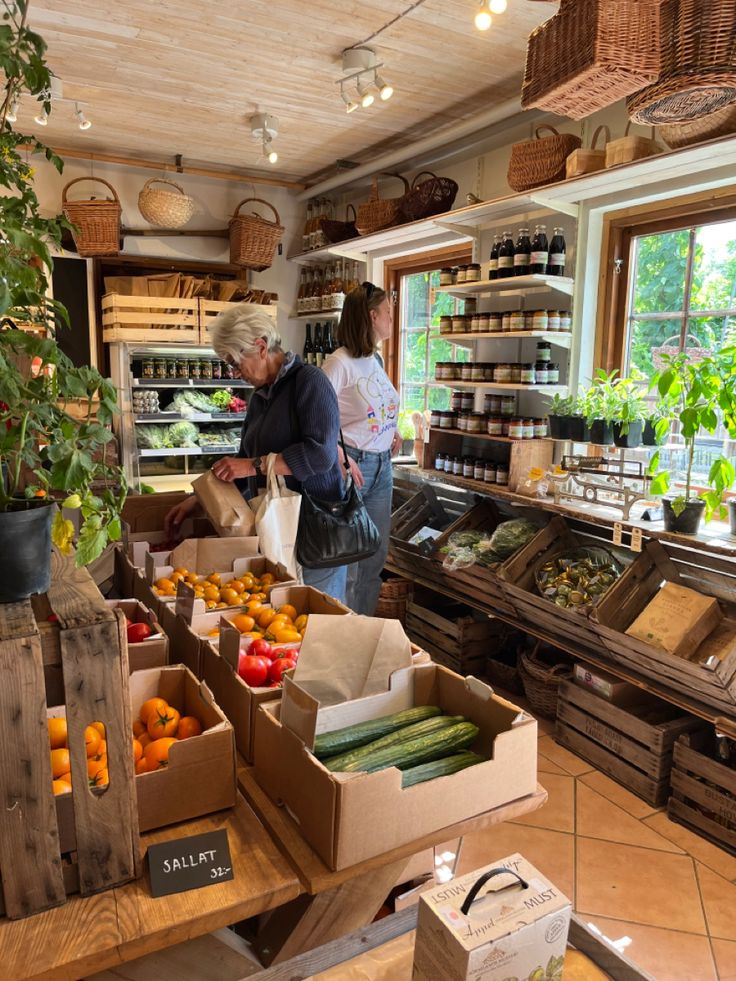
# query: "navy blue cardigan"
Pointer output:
{"type": "Point", "coordinates": [311, 453]}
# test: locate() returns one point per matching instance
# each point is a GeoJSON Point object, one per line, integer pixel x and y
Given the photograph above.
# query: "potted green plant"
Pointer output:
{"type": "Point", "coordinates": [697, 392]}
{"type": "Point", "coordinates": [658, 424]}
{"type": "Point", "coordinates": [46, 454]}
{"type": "Point", "coordinates": [577, 425]}
{"type": "Point", "coordinates": [630, 413]}
{"type": "Point", "coordinates": [601, 407]}
{"type": "Point", "coordinates": [558, 415]}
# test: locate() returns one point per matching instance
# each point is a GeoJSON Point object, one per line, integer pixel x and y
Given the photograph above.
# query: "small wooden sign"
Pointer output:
{"type": "Point", "coordinates": [618, 529]}
{"type": "Point", "coordinates": [636, 537]}
{"type": "Point", "coordinates": [189, 863]}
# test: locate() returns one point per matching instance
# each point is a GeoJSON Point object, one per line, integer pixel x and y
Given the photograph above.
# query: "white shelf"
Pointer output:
{"type": "Point", "coordinates": [187, 451]}
{"type": "Point", "coordinates": [188, 383]}
{"type": "Point", "coordinates": [322, 315]}
{"type": "Point", "coordinates": [558, 338]}
{"type": "Point", "coordinates": [503, 386]}
{"type": "Point", "coordinates": [195, 417]}
{"type": "Point", "coordinates": [511, 284]}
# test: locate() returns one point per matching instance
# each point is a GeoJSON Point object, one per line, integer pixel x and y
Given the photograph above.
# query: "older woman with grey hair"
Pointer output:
{"type": "Point", "coordinates": [293, 413]}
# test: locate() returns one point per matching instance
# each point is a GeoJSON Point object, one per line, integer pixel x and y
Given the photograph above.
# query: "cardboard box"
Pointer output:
{"type": "Point", "coordinates": [717, 646]}
{"type": "Point", "coordinates": [607, 686]}
{"type": "Point", "coordinates": [350, 817]}
{"type": "Point", "coordinates": [677, 620]}
{"type": "Point", "coordinates": [200, 777]}
{"type": "Point", "coordinates": [512, 929]}
{"type": "Point", "coordinates": [201, 555]}
{"type": "Point", "coordinates": [152, 652]}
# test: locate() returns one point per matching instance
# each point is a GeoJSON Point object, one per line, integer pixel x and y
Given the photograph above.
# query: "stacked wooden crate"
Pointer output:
{"type": "Point", "coordinates": [452, 634]}
{"type": "Point", "coordinates": [703, 790]}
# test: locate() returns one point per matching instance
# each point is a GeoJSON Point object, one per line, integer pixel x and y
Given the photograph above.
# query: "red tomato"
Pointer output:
{"type": "Point", "coordinates": [261, 648]}
{"type": "Point", "coordinates": [288, 652]}
{"type": "Point", "coordinates": [279, 667]}
{"type": "Point", "coordinates": [253, 670]}
{"type": "Point", "coordinates": [138, 632]}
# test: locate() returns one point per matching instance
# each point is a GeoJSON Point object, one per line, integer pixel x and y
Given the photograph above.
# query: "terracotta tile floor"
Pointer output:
{"type": "Point", "coordinates": [660, 893]}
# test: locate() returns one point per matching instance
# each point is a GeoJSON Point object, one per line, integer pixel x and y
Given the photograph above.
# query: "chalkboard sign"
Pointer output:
{"type": "Point", "coordinates": [189, 863]}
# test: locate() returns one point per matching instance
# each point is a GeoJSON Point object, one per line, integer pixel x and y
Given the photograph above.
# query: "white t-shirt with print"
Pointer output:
{"type": "Point", "coordinates": [369, 403]}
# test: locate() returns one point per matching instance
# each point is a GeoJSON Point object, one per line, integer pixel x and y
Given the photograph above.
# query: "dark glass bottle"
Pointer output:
{"type": "Point", "coordinates": [493, 268]}
{"type": "Point", "coordinates": [327, 343]}
{"type": "Point", "coordinates": [308, 352]}
{"type": "Point", "coordinates": [522, 253]}
{"type": "Point", "coordinates": [557, 250]}
{"type": "Point", "coordinates": [319, 351]}
{"type": "Point", "coordinates": [506, 257]}
{"type": "Point", "coordinates": [540, 251]}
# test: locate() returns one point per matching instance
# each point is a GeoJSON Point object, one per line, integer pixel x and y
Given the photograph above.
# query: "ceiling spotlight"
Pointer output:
{"type": "Point", "coordinates": [84, 123]}
{"type": "Point", "coordinates": [350, 106]}
{"type": "Point", "coordinates": [12, 115]}
{"type": "Point", "coordinates": [366, 98]}
{"type": "Point", "coordinates": [268, 152]}
{"type": "Point", "coordinates": [483, 19]}
{"type": "Point", "coordinates": [265, 127]}
{"type": "Point", "coordinates": [42, 118]}
{"type": "Point", "coordinates": [384, 89]}
{"type": "Point", "coordinates": [498, 6]}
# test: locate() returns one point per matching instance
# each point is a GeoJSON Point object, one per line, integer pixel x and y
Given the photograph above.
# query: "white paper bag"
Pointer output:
{"type": "Point", "coordinates": [277, 520]}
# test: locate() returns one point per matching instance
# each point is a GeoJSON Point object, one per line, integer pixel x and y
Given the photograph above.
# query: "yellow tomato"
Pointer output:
{"type": "Point", "coordinates": [285, 635]}
{"type": "Point", "coordinates": [301, 622]}
{"type": "Point", "coordinates": [229, 596]}
{"type": "Point", "coordinates": [288, 610]}
{"type": "Point", "coordinates": [237, 585]}
{"type": "Point", "coordinates": [211, 593]}
{"type": "Point", "coordinates": [214, 578]}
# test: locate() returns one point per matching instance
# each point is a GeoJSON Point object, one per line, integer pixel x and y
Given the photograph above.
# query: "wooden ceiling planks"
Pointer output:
{"type": "Point", "coordinates": [177, 77]}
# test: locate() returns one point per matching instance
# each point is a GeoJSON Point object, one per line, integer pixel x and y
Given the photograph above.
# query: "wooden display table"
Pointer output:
{"type": "Point", "coordinates": [336, 903]}
{"type": "Point", "coordinates": [89, 934]}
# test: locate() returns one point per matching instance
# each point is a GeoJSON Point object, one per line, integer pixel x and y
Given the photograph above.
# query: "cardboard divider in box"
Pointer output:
{"type": "Point", "coordinates": [708, 674]}
{"type": "Point", "coordinates": [632, 743]}
{"type": "Point", "coordinates": [144, 516]}
{"type": "Point", "coordinates": [350, 817]}
{"type": "Point", "coordinates": [153, 652]}
{"type": "Point", "coordinates": [200, 776]}
{"type": "Point", "coordinates": [703, 796]}
{"type": "Point", "coordinates": [520, 588]}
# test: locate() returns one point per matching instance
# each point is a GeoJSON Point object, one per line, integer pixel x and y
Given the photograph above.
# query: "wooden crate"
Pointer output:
{"type": "Point", "coordinates": [703, 794]}
{"type": "Point", "coordinates": [519, 585]}
{"type": "Point", "coordinates": [713, 683]}
{"type": "Point", "coordinates": [452, 635]}
{"type": "Point", "coordinates": [423, 509]}
{"type": "Point", "coordinates": [150, 319]}
{"type": "Point", "coordinates": [209, 309]}
{"type": "Point", "coordinates": [521, 455]}
{"type": "Point", "coordinates": [41, 836]}
{"type": "Point", "coordinates": [633, 745]}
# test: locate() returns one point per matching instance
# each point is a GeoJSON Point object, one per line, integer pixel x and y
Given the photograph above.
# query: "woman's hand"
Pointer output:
{"type": "Point", "coordinates": [396, 443]}
{"type": "Point", "coordinates": [231, 468]}
{"type": "Point", "coordinates": [178, 513]}
{"type": "Point", "coordinates": [356, 472]}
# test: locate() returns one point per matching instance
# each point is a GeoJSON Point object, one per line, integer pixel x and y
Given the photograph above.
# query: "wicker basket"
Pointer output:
{"type": "Point", "coordinates": [96, 221]}
{"type": "Point", "coordinates": [339, 231]}
{"type": "Point", "coordinates": [695, 353]}
{"type": "Point", "coordinates": [588, 161]}
{"type": "Point", "coordinates": [591, 54]}
{"type": "Point", "coordinates": [162, 208]}
{"type": "Point", "coordinates": [378, 213]}
{"type": "Point", "coordinates": [722, 122]}
{"type": "Point", "coordinates": [428, 197]}
{"type": "Point", "coordinates": [505, 676]}
{"type": "Point", "coordinates": [541, 161]}
{"type": "Point", "coordinates": [629, 148]}
{"type": "Point", "coordinates": [253, 239]}
{"type": "Point", "coordinates": [541, 681]}
{"type": "Point", "coordinates": [698, 73]}
{"type": "Point", "coordinates": [394, 598]}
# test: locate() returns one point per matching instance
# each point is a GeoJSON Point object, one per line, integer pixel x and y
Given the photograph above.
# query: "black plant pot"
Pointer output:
{"type": "Point", "coordinates": [629, 440]}
{"type": "Point", "coordinates": [601, 432]}
{"type": "Point", "coordinates": [649, 434]}
{"type": "Point", "coordinates": [686, 522]}
{"type": "Point", "coordinates": [25, 547]}
{"type": "Point", "coordinates": [732, 516]}
{"type": "Point", "coordinates": [558, 427]}
{"type": "Point", "coordinates": [578, 430]}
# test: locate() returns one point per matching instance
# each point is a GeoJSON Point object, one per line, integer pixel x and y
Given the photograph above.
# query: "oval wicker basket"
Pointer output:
{"type": "Point", "coordinates": [162, 208]}
{"type": "Point", "coordinates": [378, 213]}
{"type": "Point", "coordinates": [428, 197]}
{"type": "Point", "coordinates": [722, 122]}
{"type": "Point", "coordinates": [698, 74]}
{"type": "Point", "coordinates": [96, 221]}
{"type": "Point", "coordinates": [253, 239]}
{"type": "Point", "coordinates": [542, 682]}
{"type": "Point", "coordinates": [339, 231]}
{"type": "Point", "coordinates": [535, 163]}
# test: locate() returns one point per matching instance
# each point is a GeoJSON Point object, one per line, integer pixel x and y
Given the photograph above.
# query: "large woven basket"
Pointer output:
{"type": "Point", "coordinates": [541, 681]}
{"type": "Point", "coordinates": [722, 122]}
{"type": "Point", "coordinates": [162, 208]}
{"type": "Point", "coordinates": [378, 213]}
{"type": "Point", "coordinates": [591, 54]}
{"type": "Point", "coordinates": [339, 231]}
{"type": "Point", "coordinates": [253, 239]}
{"type": "Point", "coordinates": [427, 197]}
{"type": "Point", "coordinates": [588, 161]}
{"type": "Point", "coordinates": [698, 73]}
{"type": "Point", "coordinates": [541, 161]}
{"type": "Point", "coordinates": [96, 220]}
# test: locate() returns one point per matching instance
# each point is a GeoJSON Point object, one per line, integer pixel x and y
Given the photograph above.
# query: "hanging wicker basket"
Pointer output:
{"type": "Point", "coordinates": [340, 231]}
{"type": "Point", "coordinates": [378, 213]}
{"type": "Point", "coordinates": [722, 122]}
{"type": "Point", "coordinates": [96, 221]}
{"type": "Point", "coordinates": [535, 163]}
{"type": "Point", "coordinates": [588, 161]}
{"type": "Point", "coordinates": [427, 197]}
{"type": "Point", "coordinates": [541, 681]}
{"type": "Point", "coordinates": [591, 54]}
{"type": "Point", "coordinates": [695, 353]}
{"type": "Point", "coordinates": [629, 148]}
{"type": "Point", "coordinates": [253, 239]}
{"type": "Point", "coordinates": [162, 208]}
{"type": "Point", "coordinates": [698, 74]}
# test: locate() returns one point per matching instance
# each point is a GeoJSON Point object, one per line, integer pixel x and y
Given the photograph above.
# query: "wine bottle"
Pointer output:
{"type": "Point", "coordinates": [338, 287]}
{"type": "Point", "coordinates": [506, 257]}
{"type": "Point", "coordinates": [327, 291]}
{"type": "Point", "coordinates": [327, 339]}
{"type": "Point", "coordinates": [493, 268]}
{"type": "Point", "coordinates": [302, 290]}
{"type": "Point", "coordinates": [307, 228]}
{"type": "Point", "coordinates": [319, 351]}
{"type": "Point", "coordinates": [539, 259]}
{"type": "Point", "coordinates": [557, 249]}
{"type": "Point", "coordinates": [308, 353]}
{"type": "Point", "coordinates": [522, 253]}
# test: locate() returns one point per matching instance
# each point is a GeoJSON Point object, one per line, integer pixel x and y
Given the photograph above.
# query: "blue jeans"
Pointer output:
{"type": "Point", "coordinates": [330, 581]}
{"type": "Point", "coordinates": [364, 577]}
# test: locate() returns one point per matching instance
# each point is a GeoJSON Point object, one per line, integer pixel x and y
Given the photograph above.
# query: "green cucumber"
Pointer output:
{"type": "Point", "coordinates": [341, 740]}
{"type": "Point", "coordinates": [349, 762]}
{"type": "Point", "coordinates": [439, 768]}
{"type": "Point", "coordinates": [412, 752]}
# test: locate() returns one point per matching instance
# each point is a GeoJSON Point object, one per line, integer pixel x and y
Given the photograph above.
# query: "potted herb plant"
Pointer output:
{"type": "Point", "coordinates": [630, 413]}
{"type": "Point", "coordinates": [577, 425]}
{"type": "Point", "coordinates": [602, 407]}
{"type": "Point", "coordinates": [559, 414]}
{"type": "Point", "coordinates": [46, 454]}
{"type": "Point", "coordinates": [697, 392]}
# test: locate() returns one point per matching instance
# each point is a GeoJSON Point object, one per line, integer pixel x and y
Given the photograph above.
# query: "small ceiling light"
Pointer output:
{"type": "Point", "coordinates": [84, 123]}
{"type": "Point", "coordinates": [268, 151]}
{"type": "Point", "coordinates": [498, 6]}
{"type": "Point", "coordinates": [384, 89]}
{"type": "Point", "coordinates": [366, 98]}
{"type": "Point", "coordinates": [42, 118]}
{"type": "Point", "coordinates": [12, 115]}
{"type": "Point", "coordinates": [265, 127]}
{"type": "Point", "coordinates": [483, 19]}
{"type": "Point", "coordinates": [350, 106]}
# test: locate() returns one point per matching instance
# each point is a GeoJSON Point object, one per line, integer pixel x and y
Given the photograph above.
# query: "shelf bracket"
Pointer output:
{"type": "Point", "coordinates": [555, 204]}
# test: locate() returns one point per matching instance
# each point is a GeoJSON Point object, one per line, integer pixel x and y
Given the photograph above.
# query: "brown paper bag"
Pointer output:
{"type": "Point", "coordinates": [224, 506]}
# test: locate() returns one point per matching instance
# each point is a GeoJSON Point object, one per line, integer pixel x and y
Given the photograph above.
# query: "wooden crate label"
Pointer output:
{"type": "Point", "coordinates": [189, 863]}
{"type": "Point", "coordinates": [712, 798]}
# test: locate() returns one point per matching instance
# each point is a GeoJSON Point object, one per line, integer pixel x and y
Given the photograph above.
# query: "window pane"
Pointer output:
{"type": "Point", "coordinates": [442, 350]}
{"type": "Point", "coordinates": [714, 268]}
{"type": "Point", "coordinates": [412, 399]}
{"type": "Point", "coordinates": [417, 300]}
{"type": "Point", "coordinates": [659, 276]}
{"type": "Point", "coordinates": [414, 357]}
{"type": "Point", "coordinates": [711, 333]}
{"type": "Point", "coordinates": [648, 341]}
{"type": "Point", "coordinates": [438, 398]}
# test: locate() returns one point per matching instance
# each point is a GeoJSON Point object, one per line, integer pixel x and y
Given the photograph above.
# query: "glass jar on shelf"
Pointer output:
{"type": "Point", "coordinates": [147, 369]}
{"type": "Point", "coordinates": [182, 368]}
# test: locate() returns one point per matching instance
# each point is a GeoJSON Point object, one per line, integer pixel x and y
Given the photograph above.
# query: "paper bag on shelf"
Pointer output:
{"type": "Point", "coordinates": [677, 620]}
{"type": "Point", "coordinates": [225, 506]}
